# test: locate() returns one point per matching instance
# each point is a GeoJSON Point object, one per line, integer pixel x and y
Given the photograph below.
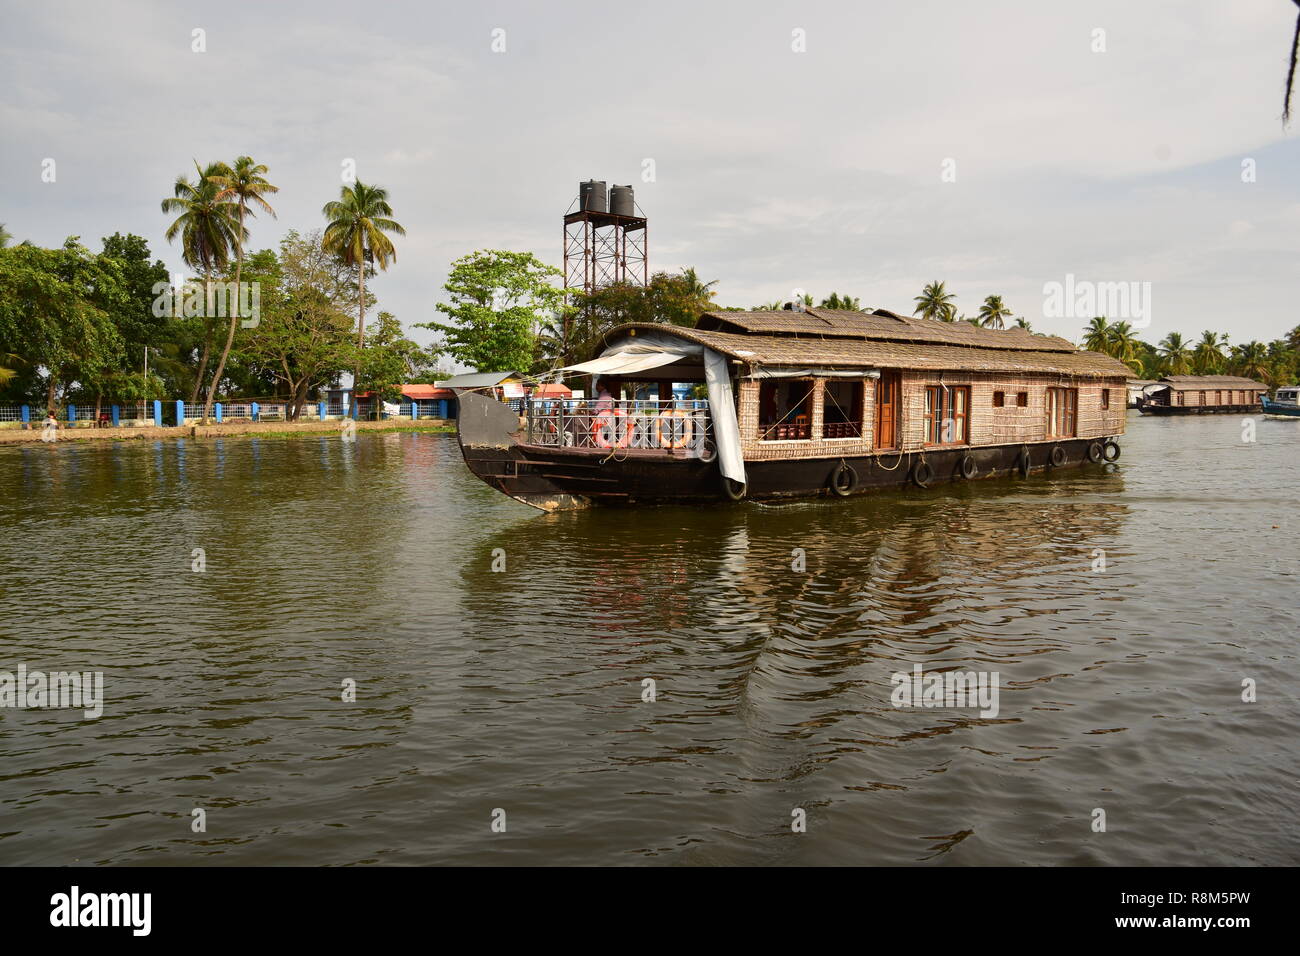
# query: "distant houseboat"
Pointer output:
{"type": "Point", "coordinates": [800, 404]}
{"type": "Point", "coordinates": [1135, 390]}
{"type": "Point", "coordinates": [1202, 395]}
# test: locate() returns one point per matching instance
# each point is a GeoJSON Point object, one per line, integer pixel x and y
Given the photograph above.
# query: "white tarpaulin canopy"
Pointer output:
{"type": "Point", "coordinates": [623, 363]}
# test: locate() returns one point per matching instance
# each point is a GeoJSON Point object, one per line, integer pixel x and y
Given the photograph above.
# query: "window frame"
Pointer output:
{"type": "Point", "coordinates": [940, 406]}
{"type": "Point", "coordinates": [857, 403]}
{"type": "Point", "coordinates": [777, 383]}
{"type": "Point", "coordinates": [1062, 408]}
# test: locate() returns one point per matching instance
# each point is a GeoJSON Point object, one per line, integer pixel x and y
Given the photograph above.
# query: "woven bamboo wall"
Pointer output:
{"type": "Point", "coordinates": [988, 425]}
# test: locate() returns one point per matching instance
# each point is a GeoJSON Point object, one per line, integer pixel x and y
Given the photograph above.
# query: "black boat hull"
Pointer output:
{"type": "Point", "coordinates": [559, 479]}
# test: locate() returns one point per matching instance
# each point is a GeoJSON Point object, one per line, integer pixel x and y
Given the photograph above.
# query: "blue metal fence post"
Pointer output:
{"type": "Point", "coordinates": [321, 408]}
{"type": "Point", "coordinates": [442, 408]}
{"type": "Point", "coordinates": [117, 416]}
{"type": "Point", "coordinates": [415, 409]}
{"type": "Point", "coordinates": [157, 412]}
{"type": "Point", "coordinates": [254, 410]}
{"type": "Point", "coordinates": [180, 412]}
{"type": "Point", "coordinates": [72, 414]}
{"type": "Point", "coordinates": [27, 414]}
{"type": "Point", "coordinates": [217, 408]}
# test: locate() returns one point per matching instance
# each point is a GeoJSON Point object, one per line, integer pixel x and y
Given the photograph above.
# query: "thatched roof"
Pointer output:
{"type": "Point", "coordinates": [1194, 383]}
{"type": "Point", "coordinates": [872, 351]}
{"type": "Point", "coordinates": [879, 325]}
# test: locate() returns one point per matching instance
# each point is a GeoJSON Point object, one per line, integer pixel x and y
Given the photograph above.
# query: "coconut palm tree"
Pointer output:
{"type": "Point", "coordinates": [8, 361]}
{"type": "Point", "coordinates": [1207, 356]}
{"type": "Point", "coordinates": [1251, 360]}
{"type": "Point", "coordinates": [5, 236]}
{"type": "Point", "coordinates": [993, 313]}
{"type": "Point", "coordinates": [1290, 75]}
{"type": "Point", "coordinates": [1123, 345]}
{"type": "Point", "coordinates": [935, 302]}
{"type": "Point", "coordinates": [358, 221]}
{"type": "Point", "coordinates": [1175, 354]}
{"type": "Point", "coordinates": [837, 301]}
{"type": "Point", "coordinates": [1023, 323]}
{"type": "Point", "coordinates": [209, 229]}
{"type": "Point", "coordinates": [697, 289]}
{"type": "Point", "coordinates": [1096, 334]}
{"type": "Point", "coordinates": [1281, 362]}
{"type": "Point", "coordinates": [243, 183]}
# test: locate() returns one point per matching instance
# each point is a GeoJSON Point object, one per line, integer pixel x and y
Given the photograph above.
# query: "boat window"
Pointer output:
{"type": "Point", "coordinates": [999, 399]}
{"type": "Point", "coordinates": [1105, 398]}
{"type": "Point", "coordinates": [947, 409]}
{"type": "Point", "coordinates": [1062, 412]}
{"type": "Point", "coordinates": [785, 409]}
{"type": "Point", "coordinates": [842, 409]}
{"type": "Point", "coordinates": [1022, 399]}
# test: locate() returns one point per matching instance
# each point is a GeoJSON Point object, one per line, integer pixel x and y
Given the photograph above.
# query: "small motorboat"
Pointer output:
{"type": "Point", "coordinates": [1285, 405]}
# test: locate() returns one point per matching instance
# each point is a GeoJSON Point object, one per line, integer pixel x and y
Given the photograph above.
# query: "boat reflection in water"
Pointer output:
{"type": "Point", "coordinates": [792, 669]}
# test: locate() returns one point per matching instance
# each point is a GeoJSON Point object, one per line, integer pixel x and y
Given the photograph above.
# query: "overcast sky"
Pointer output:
{"type": "Point", "coordinates": [774, 169]}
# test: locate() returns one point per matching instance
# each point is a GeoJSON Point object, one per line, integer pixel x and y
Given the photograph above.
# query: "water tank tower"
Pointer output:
{"type": "Point", "coordinates": [604, 238]}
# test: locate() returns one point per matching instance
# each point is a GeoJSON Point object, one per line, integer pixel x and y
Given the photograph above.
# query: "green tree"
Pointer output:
{"type": "Point", "coordinates": [1096, 335]}
{"type": "Point", "coordinates": [993, 313]}
{"type": "Point", "coordinates": [500, 302]}
{"type": "Point", "coordinates": [5, 236]}
{"type": "Point", "coordinates": [1123, 345]}
{"type": "Point", "coordinates": [243, 183]}
{"type": "Point", "coordinates": [391, 360]}
{"type": "Point", "coordinates": [359, 221]}
{"type": "Point", "coordinates": [699, 293]}
{"type": "Point", "coordinates": [1023, 323]}
{"type": "Point", "coordinates": [1207, 356]}
{"type": "Point", "coordinates": [304, 340]}
{"type": "Point", "coordinates": [1175, 354]}
{"type": "Point", "coordinates": [936, 302]}
{"type": "Point", "coordinates": [55, 314]}
{"type": "Point", "coordinates": [1250, 361]}
{"type": "Point", "coordinates": [209, 230]}
{"type": "Point", "coordinates": [837, 301]}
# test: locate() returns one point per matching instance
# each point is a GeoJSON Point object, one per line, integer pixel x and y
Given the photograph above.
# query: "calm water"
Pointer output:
{"type": "Point", "coordinates": [521, 690]}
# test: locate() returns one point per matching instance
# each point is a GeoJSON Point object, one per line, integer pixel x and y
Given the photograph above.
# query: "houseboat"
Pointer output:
{"type": "Point", "coordinates": [1286, 404]}
{"type": "Point", "coordinates": [1202, 395]}
{"type": "Point", "coordinates": [800, 404]}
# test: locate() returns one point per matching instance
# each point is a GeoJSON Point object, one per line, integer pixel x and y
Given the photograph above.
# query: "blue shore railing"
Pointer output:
{"type": "Point", "coordinates": [160, 413]}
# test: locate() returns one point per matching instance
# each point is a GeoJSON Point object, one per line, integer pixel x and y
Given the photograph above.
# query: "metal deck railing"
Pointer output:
{"type": "Point", "coordinates": [680, 425]}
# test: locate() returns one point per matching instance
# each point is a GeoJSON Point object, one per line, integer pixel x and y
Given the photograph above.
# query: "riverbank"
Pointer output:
{"type": "Point", "coordinates": [225, 430]}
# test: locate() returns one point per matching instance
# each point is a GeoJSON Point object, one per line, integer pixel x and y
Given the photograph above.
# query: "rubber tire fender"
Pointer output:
{"type": "Point", "coordinates": [1095, 451]}
{"type": "Point", "coordinates": [1111, 445]}
{"type": "Point", "coordinates": [1057, 457]}
{"type": "Point", "coordinates": [968, 467]}
{"type": "Point", "coordinates": [728, 486]}
{"type": "Point", "coordinates": [922, 474]}
{"type": "Point", "coordinates": [844, 468]}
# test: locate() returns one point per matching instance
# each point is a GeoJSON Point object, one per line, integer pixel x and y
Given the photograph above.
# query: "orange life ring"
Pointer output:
{"type": "Point", "coordinates": [673, 439]}
{"type": "Point", "coordinates": [610, 429]}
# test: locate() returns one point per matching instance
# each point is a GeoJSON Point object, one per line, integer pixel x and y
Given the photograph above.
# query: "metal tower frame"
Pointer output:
{"type": "Point", "coordinates": [601, 248]}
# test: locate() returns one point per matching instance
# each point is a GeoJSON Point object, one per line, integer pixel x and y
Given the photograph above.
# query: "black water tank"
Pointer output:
{"type": "Point", "coordinates": [591, 196]}
{"type": "Point", "coordinates": [621, 202]}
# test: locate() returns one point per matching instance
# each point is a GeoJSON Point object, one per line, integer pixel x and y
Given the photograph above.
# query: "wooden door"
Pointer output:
{"type": "Point", "coordinates": [887, 401]}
